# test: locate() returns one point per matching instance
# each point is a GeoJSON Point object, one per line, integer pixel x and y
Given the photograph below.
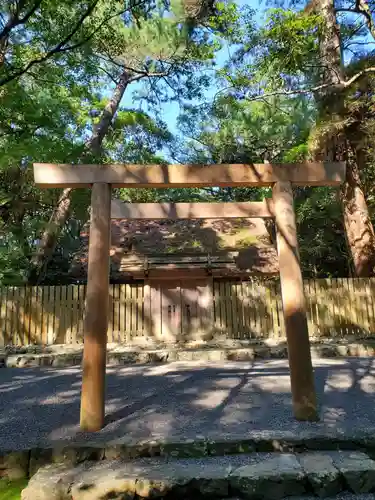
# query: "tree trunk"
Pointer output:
{"type": "Point", "coordinates": [357, 221]}
{"type": "Point", "coordinates": [100, 130]}
{"type": "Point", "coordinates": [50, 235]}
{"type": "Point", "coordinates": [62, 211]}
{"type": "Point", "coordinates": [359, 230]}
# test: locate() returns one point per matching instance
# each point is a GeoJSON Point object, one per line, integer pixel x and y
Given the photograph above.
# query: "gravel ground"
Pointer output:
{"type": "Point", "coordinates": [185, 400]}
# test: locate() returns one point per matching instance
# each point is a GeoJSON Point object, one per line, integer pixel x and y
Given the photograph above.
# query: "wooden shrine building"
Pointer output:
{"type": "Point", "coordinates": [179, 266]}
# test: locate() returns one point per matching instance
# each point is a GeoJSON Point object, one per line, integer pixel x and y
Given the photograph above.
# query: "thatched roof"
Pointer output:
{"type": "Point", "coordinates": [221, 247]}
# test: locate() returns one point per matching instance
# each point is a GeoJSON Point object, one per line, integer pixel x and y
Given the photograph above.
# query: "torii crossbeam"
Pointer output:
{"type": "Point", "coordinates": [101, 178]}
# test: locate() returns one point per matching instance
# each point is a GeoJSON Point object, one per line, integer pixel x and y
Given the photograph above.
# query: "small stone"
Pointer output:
{"type": "Point", "coordinates": [262, 352]}
{"type": "Point", "coordinates": [216, 355]}
{"type": "Point", "coordinates": [71, 455]}
{"type": "Point", "coordinates": [14, 465]}
{"type": "Point", "coordinates": [46, 360]}
{"type": "Point", "coordinates": [213, 487]}
{"type": "Point", "coordinates": [39, 458]}
{"type": "Point", "coordinates": [113, 488]}
{"type": "Point", "coordinates": [51, 482]}
{"type": "Point", "coordinates": [269, 477]}
{"type": "Point", "coordinates": [12, 361]}
{"type": "Point", "coordinates": [63, 360]}
{"type": "Point", "coordinates": [322, 475]}
{"type": "Point", "coordinates": [358, 470]}
{"type": "Point", "coordinates": [150, 488]}
{"type": "Point", "coordinates": [230, 447]}
{"type": "Point", "coordinates": [188, 449]}
{"type": "Point", "coordinates": [114, 359]}
{"type": "Point", "coordinates": [342, 350]}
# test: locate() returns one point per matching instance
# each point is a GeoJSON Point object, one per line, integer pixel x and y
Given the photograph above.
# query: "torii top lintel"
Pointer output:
{"type": "Point", "coordinates": [175, 176]}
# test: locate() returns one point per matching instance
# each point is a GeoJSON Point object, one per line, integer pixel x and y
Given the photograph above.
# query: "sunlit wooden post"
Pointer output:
{"type": "Point", "coordinates": [300, 364]}
{"type": "Point", "coordinates": [96, 312]}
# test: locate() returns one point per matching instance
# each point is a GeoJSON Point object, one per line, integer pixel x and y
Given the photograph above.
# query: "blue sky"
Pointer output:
{"type": "Point", "coordinates": [170, 111]}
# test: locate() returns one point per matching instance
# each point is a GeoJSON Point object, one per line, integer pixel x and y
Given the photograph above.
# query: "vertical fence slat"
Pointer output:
{"type": "Point", "coordinates": [116, 334]}
{"type": "Point", "coordinates": [3, 308]}
{"type": "Point", "coordinates": [245, 329]}
{"type": "Point", "coordinates": [371, 316]}
{"type": "Point", "coordinates": [338, 306]}
{"type": "Point", "coordinates": [228, 308]}
{"type": "Point", "coordinates": [75, 313]}
{"type": "Point", "coordinates": [26, 316]}
{"type": "Point", "coordinates": [127, 311]}
{"type": "Point", "coordinates": [111, 300]}
{"type": "Point", "coordinates": [233, 308]}
{"type": "Point", "coordinates": [250, 305]}
{"type": "Point", "coordinates": [12, 315]}
{"type": "Point", "coordinates": [58, 328]}
{"type": "Point", "coordinates": [223, 312]}
{"type": "Point", "coordinates": [16, 312]}
{"type": "Point", "coordinates": [70, 313]}
{"type": "Point", "coordinates": [51, 314]}
{"type": "Point", "coordinates": [122, 326]}
{"type": "Point", "coordinates": [134, 309]}
{"type": "Point", "coordinates": [82, 296]}
{"type": "Point", "coordinates": [63, 324]}
{"type": "Point", "coordinates": [345, 306]}
{"type": "Point", "coordinates": [44, 313]}
{"type": "Point", "coordinates": [353, 309]}
{"type": "Point", "coordinates": [361, 305]}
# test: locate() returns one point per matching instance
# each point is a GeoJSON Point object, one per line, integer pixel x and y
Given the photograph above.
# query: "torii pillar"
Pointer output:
{"type": "Point", "coordinates": [102, 177]}
{"type": "Point", "coordinates": [97, 309]}
{"type": "Point", "coordinates": [294, 304]}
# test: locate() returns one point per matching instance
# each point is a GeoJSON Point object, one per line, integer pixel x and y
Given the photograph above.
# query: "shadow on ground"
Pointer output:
{"type": "Point", "coordinates": [183, 400]}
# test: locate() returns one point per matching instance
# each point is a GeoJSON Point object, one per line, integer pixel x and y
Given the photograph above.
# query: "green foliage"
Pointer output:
{"type": "Point", "coordinates": [11, 490]}
{"type": "Point", "coordinates": [321, 233]}
{"type": "Point", "coordinates": [291, 42]}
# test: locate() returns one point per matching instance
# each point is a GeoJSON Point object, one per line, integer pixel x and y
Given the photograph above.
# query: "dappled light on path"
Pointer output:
{"type": "Point", "coordinates": [183, 400]}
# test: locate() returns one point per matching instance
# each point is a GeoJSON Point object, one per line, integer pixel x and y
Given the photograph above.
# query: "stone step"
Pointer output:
{"type": "Point", "coordinates": [265, 476]}
{"type": "Point", "coordinates": [60, 356]}
{"type": "Point", "coordinates": [340, 496]}
{"type": "Point", "coordinates": [23, 463]}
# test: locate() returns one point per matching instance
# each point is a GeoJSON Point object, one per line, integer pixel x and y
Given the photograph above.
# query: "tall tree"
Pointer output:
{"type": "Point", "coordinates": [338, 144]}
{"type": "Point", "coordinates": [301, 53]}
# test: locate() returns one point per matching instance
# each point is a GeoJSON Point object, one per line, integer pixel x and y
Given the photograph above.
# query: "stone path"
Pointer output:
{"type": "Point", "coordinates": [266, 476]}
{"type": "Point", "coordinates": [179, 401]}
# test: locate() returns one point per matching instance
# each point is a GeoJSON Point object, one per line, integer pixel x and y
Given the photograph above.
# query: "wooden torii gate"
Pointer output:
{"type": "Point", "coordinates": [101, 178]}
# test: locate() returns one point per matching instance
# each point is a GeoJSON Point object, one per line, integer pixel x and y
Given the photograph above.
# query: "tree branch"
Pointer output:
{"type": "Point", "coordinates": [363, 8]}
{"type": "Point", "coordinates": [33, 9]}
{"type": "Point", "coordinates": [60, 47]}
{"type": "Point", "coordinates": [337, 87]}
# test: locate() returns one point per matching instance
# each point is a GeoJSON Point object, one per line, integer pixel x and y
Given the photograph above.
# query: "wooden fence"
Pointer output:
{"type": "Point", "coordinates": [241, 310]}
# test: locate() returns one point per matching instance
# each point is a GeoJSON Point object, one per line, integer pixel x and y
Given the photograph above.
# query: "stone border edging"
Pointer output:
{"type": "Point", "coordinates": [73, 356]}
{"type": "Point", "coordinates": [17, 464]}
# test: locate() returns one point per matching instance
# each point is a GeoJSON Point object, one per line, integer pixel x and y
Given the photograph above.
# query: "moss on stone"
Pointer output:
{"type": "Point", "coordinates": [11, 490]}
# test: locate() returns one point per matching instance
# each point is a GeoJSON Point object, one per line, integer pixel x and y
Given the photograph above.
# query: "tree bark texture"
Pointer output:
{"type": "Point", "coordinates": [360, 234]}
